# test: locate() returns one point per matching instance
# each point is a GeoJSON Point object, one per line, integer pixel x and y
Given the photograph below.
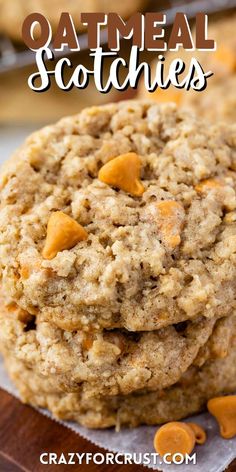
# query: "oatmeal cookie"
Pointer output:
{"type": "Point", "coordinates": [187, 397]}
{"type": "Point", "coordinates": [218, 101]}
{"type": "Point", "coordinates": [123, 216]}
{"type": "Point", "coordinates": [112, 362]}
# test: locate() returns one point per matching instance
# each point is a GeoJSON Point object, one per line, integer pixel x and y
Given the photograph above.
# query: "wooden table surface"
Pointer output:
{"type": "Point", "coordinates": [26, 433]}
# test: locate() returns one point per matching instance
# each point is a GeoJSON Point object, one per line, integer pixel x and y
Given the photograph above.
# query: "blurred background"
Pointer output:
{"type": "Point", "coordinates": [22, 110]}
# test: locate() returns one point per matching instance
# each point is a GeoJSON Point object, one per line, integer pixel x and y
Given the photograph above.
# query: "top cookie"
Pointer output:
{"type": "Point", "coordinates": [121, 216]}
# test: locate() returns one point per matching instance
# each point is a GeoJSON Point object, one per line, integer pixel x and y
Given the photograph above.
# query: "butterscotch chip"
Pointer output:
{"type": "Point", "coordinates": [171, 94]}
{"type": "Point", "coordinates": [199, 433]}
{"type": "Point", "coordinates": [25, 272]}
{"type": "Point", "coordinates": [28, 268]}
{"type": "Point", "coordinates": [221, 187]}
{"type": "Point", "coordinates": [224, 410]}
{"type": "Point", "coordinates": [123, 172]}
{"type": "Point", "coordinates": [226, 56]}
{"type": "Point", "coordinates": [19, 313]}
{"type": "Point", "coordinates": [207, 185]}
{"type": "Point", "coordinates": [170, 218]}
{"type": "Point", "coordinates": [174, 438]}
{"type": "Point", "coordinates": [87, 341]}
{"type": "Point", "coordinates": [62, 233]}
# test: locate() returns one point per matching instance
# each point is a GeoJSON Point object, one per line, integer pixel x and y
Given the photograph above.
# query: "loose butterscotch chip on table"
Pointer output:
{"type": "Point", "coordinates": [224, 410]}
{"type": "Point", "coordinates": [199, 432]}
{"type": "Point", "coordinates": [174, 438]}
{"type": "Point", "coordinates": [178, 438]}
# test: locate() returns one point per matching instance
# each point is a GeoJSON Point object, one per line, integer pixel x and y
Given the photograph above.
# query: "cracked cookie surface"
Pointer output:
{"type": "Point", "coordinates": [186, 397]}
{"type": "Point", "coordinates": [112, 362]}
{"type": "Point", "coordinates": [148, 261]}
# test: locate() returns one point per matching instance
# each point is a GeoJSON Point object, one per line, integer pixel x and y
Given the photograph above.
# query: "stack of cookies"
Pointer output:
{"type": "Point", "coordinates": [118, 265]}
{"type": "Point", "coordinates": [218, 101]}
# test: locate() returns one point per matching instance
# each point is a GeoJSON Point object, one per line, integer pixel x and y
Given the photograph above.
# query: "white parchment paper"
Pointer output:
{"type": "Point", "coordinates": [214, 456]}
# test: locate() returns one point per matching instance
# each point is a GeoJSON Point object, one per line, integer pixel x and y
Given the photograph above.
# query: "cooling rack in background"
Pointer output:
{"type": "Point", "coordinates": [13, 57]}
